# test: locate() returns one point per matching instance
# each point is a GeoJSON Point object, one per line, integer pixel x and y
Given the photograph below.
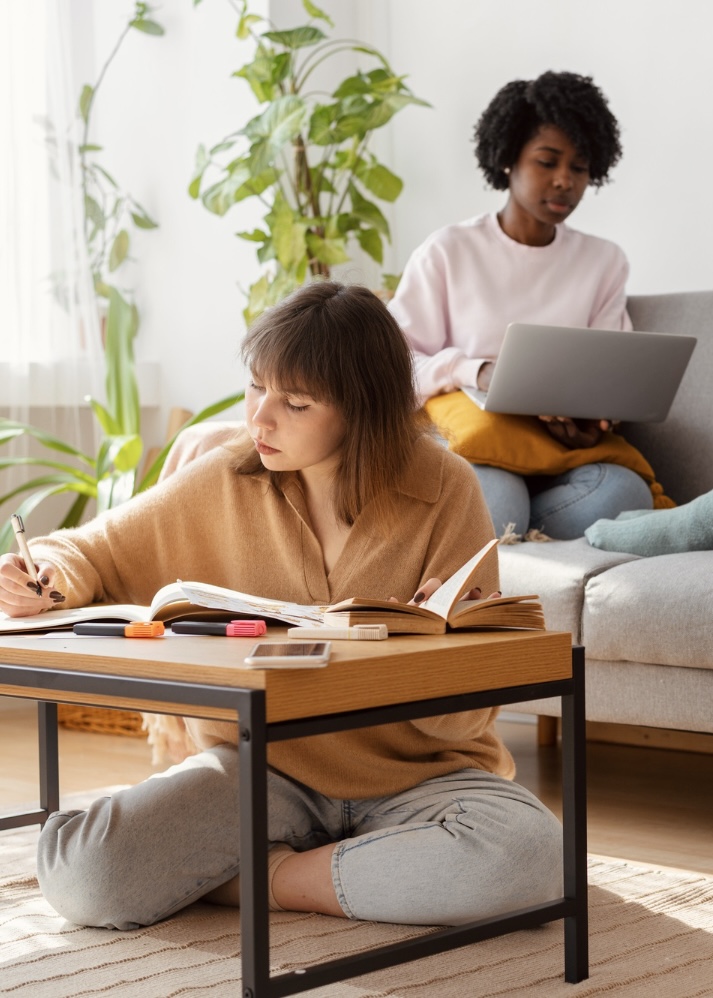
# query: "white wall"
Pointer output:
{"type": "Point", "coordinates": [166, 95]}
{"type": "Point", "coordinates": [652, 60]}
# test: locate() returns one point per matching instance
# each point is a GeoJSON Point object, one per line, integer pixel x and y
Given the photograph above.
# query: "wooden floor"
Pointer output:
{"type": "Point", "coordinates": [645, 805]}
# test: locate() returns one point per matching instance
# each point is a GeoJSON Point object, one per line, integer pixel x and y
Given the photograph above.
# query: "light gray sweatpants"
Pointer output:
{"type": "Point", "coordinates": [460, 847]}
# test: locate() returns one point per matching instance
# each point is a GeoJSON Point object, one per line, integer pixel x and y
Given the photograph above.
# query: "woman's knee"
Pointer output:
{"type": "Point", "coordinates": [80, 873]}
{"type": "Point", "coordinates": [506, 496]}
{"type": "Point", "coordinates": [518, 863]}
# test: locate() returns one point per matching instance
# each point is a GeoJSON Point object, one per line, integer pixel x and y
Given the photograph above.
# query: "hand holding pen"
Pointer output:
{"type": "Point", "coordinates": [25, 588]}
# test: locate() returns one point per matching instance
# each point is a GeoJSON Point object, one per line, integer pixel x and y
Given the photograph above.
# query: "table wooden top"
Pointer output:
{"type": "Point", "coordinates": [360, 673]}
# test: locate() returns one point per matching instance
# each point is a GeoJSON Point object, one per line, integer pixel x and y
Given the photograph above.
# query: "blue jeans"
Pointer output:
{"type": "Point", "coordinates": [567, 504]}
{"type": "Point", "coordinates": [463, 846]}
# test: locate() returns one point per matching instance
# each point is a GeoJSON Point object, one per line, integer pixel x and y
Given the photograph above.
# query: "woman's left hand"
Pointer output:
{"type": "Point", "coordinates": [575, 433]}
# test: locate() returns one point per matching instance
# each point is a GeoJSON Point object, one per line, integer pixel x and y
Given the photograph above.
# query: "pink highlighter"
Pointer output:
{"type": "Point", "coordinates": [235, 629]}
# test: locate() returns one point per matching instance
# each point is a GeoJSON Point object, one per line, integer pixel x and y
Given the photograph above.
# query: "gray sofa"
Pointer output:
{"type": "Point", "coordinates": [646, 623]}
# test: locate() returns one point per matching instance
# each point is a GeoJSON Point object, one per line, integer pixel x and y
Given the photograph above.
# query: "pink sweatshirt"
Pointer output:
{"type": "Point", "coordinates": [467, 281]}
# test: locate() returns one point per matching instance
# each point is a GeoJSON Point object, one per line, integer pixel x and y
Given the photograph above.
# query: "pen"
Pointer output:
{"type": "Point", "coordinates": [19, 529]}
{"type": "Point", "coordinates": [151, 629]}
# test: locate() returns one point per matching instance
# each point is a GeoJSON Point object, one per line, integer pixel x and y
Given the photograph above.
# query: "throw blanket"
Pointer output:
{"type": "Point", "coordinates": [522, 444]}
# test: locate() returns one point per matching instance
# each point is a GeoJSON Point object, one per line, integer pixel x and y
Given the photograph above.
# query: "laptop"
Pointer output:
{"type": "Point", "coordinates": [586, 373]}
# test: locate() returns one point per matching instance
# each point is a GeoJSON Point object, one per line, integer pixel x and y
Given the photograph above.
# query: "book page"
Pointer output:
{"type": "Point", "coordinates": [172, 593]}
{"type": "Point", "coordinates": [66, 618]}
{"type": "Point", "coordinates": [447, 595]}
{"type": "Point", "coordinates": [233, 601]}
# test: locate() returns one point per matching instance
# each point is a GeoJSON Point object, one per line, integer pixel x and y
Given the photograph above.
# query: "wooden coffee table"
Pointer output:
{"type": "Point", "coordinates": [366, 683]}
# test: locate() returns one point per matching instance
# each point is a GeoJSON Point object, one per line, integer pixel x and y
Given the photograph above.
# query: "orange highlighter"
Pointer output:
{"type": "Point", "coordinates": [150, 629]}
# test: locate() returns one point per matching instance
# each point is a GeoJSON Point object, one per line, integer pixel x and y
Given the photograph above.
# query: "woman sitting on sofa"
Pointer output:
{"type": "Point", "coordinates": [544, 142]}
{"type": "Point", "coordinates": [334, 488]}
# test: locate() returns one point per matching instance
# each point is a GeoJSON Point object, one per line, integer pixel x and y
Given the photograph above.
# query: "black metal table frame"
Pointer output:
{"type": "Point", "coordinates": [255, 733]}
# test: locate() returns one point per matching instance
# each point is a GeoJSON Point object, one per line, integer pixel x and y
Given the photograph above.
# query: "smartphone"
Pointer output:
{"type": "Point", "coordinates": [289, 655]}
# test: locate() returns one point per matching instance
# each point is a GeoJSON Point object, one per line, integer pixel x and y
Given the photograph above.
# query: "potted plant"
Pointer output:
{"type": "Point", "coordinates": [305, 155]}
{"type": "Point", "coordinates": [113, 474]}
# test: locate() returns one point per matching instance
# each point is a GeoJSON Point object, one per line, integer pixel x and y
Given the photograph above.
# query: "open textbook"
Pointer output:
{"type": "Point", "coordinates": [444, 610]}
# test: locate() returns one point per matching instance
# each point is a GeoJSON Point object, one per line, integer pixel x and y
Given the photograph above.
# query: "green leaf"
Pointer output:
{"type": "Point", "coordinates": [67, 471]}
{"type": "Point", "coordinates": [121, 388]}
{"type": "Point", "coordinates": [148, 27]}
{"type": "Point", "coordinates": [380, 181]}
{"type": "Point", "coordinates": [142, 221]}
{"type": "Point", "coordinates": [89, 147]}
{"type": "Point", "coordinates": [315, 11]}
{"type": "Point", "coordinates": [329, 251]}
{"type": "Point", "coordinates": [296, 38]}
{"type": "Point", "coordinates": [119, 249]}
{"type": "Point", "coordinates": [121, 453]}
{"type": "Point", "coordinates": [288, 233]}
{"type": "Point", "coordinates": [256, 236]}
{"type": "Point", "coordinates": [202, 161]}
{"type": "Point", "coordinates": [390, 281]}
{"type": "Point", "coordinates": [370, 242]}
{"type": "Point", "coordinates": [244, 24]}
{"type": "Point", "coordinates": [383, 110]}
{"type": "Point", "coordinates": [85, 101]}
{"type": "Point", "coordinates": [279, 124]}
{"type": "Point", "coordinates": [256, 185]}
{"type": "Point", "coordinates": [74, 515]}
{"type": "Point", "coordinates": [65, 482]}
{"type": "Point", "coordinates": [257, 300]}
{"type": "Point", "coordinates": [104, 173]}
{"type": "Point", "coordinates": [10, 427]}
{"type": "Point", "coordinates": [264, 74]}
{"type": "Point", "coordinates": [367, 211]}
{"type": "Point", "coordinates": [103, 416]}
{"type": "Point", "coordinates": [93, 211]}
{"type": "Point", "coordinates": [114, 490]}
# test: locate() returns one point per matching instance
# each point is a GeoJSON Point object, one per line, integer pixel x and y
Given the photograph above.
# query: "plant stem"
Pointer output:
{"type": "Point", "coordinates": [85, 134]}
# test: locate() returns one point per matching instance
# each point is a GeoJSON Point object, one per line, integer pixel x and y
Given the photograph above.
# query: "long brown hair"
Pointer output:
{"type": "Point", "coordinates": [340, 344]}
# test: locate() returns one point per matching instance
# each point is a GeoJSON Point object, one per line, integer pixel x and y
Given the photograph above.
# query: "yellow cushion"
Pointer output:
{"type": "Point", "coordinates": [523, 445]}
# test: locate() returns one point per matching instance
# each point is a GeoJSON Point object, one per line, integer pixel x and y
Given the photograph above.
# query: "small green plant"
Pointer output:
{"type": "Point", "coordinates": [112, 475]}
{"type": "Point", "coordinates": [306, 155]}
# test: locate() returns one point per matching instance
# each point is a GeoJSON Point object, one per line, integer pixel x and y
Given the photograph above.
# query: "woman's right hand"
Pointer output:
{"type": "Point", "coordinates": [484, 375]}
{"type": "Point", "coordinates": [18, 597]}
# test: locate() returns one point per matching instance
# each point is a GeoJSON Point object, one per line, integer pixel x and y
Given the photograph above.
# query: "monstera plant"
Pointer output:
{"type": "Point", "coordinates": [306, 155]}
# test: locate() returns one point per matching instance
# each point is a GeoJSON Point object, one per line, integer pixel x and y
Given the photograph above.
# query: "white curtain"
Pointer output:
{"type": "Point", "coordinates": [50, 344]}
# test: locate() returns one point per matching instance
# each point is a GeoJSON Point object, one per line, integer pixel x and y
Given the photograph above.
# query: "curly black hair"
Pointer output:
{"type": "Point", "coordinates": [571, 102]}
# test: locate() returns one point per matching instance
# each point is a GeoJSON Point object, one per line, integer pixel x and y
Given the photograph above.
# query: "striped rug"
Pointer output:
{"type": "Point", "coordinates": [651, 937]}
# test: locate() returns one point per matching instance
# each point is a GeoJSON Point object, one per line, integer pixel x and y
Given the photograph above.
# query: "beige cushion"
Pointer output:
{"type": "Point", "coordinates": [557, 571]}
{"type": "Point", "coordinates": [657, 610]}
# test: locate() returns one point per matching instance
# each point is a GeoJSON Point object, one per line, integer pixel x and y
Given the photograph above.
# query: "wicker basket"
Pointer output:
{"type": "Point", "coordinates": [105, 721]}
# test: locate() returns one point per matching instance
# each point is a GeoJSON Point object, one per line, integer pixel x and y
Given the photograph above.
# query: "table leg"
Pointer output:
{"type": "Point", "coordinates": [574, 821]}
{"type": "Point", "coordinates": [49, 757]}
{"type": "Point", "coordinates": [254, 913]}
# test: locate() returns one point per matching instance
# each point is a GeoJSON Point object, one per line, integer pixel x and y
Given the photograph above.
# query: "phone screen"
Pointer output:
{"type": "Point", "coordinates": [300, 649]}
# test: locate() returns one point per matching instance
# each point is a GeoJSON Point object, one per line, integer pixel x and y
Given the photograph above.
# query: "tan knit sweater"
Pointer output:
{"type": "Point", "coordinates": [207, 523]}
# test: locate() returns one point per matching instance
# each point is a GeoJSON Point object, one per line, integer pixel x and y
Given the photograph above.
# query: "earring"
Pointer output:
{"type": "Point", "coordinates": [506, 170]}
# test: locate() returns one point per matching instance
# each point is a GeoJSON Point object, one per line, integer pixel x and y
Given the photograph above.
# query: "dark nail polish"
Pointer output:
{"type": "Point", "coordinates": [57, 597]}
{"type": "Point", "coordinates": [45, 580]}
{"type": "Point", "coordinates": [419, 597]}
{"type": "Point", "coordinates": [35, 587]}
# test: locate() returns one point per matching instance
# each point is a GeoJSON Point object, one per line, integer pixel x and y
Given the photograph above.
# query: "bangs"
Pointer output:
{"type": "Point", "coordinates": [292, 358]}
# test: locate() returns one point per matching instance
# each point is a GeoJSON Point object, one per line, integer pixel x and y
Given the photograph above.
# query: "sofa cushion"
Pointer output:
{"type": "Point", "coordinates": [636, 693]}
{"type": "Point", "coordinates": [657, 610]}
{"type": "Point", "coordinates": [679, 448]}
{"type": "Point", "coordinates": [558, 572]}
